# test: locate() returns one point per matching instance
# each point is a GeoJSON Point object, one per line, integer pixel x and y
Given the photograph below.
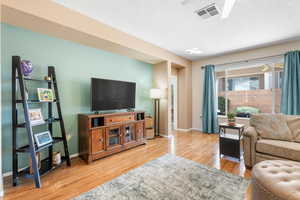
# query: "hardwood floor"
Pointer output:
{"type": "Point", "coordinates": [68, 182]}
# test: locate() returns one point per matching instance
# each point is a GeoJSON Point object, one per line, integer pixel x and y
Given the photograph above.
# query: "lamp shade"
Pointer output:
{"type": "Point", "coordinates": [155, 93]}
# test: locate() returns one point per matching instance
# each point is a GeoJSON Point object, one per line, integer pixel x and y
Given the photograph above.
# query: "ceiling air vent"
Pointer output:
{"type": "Point", "coordinates": [208, 11]}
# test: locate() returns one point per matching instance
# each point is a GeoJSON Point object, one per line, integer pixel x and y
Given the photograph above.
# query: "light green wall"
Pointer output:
{"type": "Point", "coordinates": [75, 65]}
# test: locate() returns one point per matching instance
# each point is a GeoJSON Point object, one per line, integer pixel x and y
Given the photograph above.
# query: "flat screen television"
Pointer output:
{"type": "Point", "coordinates": [112, 95]}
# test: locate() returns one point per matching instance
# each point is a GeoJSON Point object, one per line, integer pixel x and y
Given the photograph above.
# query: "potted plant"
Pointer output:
{"type": "Point", "coordinates": [231, 119]}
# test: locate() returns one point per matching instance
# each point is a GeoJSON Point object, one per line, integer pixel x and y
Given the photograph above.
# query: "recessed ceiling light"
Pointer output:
{"type": "Point", "coordinates": [184, 2]}
{"type": "Point", "coordinates": [194, 51]}
{"type": "Point", "coordinates": [227, 8]}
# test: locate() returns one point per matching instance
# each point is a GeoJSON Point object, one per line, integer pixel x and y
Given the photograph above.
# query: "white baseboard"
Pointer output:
{"type": "Point", "coordinates": [196, 129]}
{"type": "Point", "coordinates": [10, 172]}
{"type": "Point", "coordinates": [164, 135]}
{"type": "Point", "coordinates": [74, 155]}
{"type": "Point", "coordinates": [183, 130]}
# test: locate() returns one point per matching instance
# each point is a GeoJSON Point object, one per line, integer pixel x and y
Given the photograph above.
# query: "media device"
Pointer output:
{"type": "Point", "coordinates": [112, 95]}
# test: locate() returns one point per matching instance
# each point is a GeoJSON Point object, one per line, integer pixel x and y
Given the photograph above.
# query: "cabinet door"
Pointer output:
{"type": "Point", "coordinates": [98, 141]}
{"type": "Point", "coordinates": [129, 133]}
{"type": "Point", "coordinates": [139, 127]}
{"type": "Point", "coordinates": [113, 137]}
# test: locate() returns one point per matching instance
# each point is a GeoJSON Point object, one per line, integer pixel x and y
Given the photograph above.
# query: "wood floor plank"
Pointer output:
{"type": "Point", "coordinates": [68, 182]}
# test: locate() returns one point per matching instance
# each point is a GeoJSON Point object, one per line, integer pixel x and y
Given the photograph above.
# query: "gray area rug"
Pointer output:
{"type": "Point", "coordinates": [171, 178]}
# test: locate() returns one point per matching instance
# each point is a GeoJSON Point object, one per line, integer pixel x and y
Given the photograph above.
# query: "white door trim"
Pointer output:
{"type": "Point", "coordinates": [175, 85]}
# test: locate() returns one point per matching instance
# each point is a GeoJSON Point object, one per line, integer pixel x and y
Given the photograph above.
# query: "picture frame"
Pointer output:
{"type": "Point", "coordinates": [43, 138]}
{"type": "Point", "coordinates": [36, 116]}
{"type": "Point", "coordinates": [45, 94]}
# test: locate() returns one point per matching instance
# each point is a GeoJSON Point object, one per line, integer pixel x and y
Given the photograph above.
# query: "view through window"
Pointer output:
{"type": "Point", "coordinates": [251, 90]}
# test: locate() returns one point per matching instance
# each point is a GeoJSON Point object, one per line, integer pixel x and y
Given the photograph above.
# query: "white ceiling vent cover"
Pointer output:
{"type": "Point", "coordinates": [208, 11]}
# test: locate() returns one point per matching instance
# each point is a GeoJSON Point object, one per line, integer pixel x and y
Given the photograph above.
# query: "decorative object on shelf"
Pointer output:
{"type": "Point", "coordinates": [26, 67]}
{"type": "Point", "coordinates": [47, 78]}
{"type": "Point", "coordinates": [156, 94]}
{"type": "Point", "coordinates": [56, 158]}
{"type": "Point", "coordinates": [43, 138]}
{"type": "Point", "coordinates": [231, 119]}
{"type": "Point", "coordinates": [36, 116]}
{"type": "Point", "coordinates": [45, 94]}
{"type": "Point", "coordinates": [38, 159]}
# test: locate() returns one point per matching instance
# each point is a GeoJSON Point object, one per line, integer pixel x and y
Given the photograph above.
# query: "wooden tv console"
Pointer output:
{"type": "Point", "coordinates": [101, 135]}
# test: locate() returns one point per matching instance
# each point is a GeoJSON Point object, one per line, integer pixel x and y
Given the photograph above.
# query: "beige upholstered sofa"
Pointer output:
{"type": "Point", "coordinates": [272, 136]}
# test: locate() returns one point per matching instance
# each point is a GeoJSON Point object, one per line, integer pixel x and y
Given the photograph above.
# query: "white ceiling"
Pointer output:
{"type": "Point", "coordinates": [173, 26]}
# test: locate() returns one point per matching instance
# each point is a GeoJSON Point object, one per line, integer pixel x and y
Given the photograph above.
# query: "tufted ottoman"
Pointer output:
{"type": "Point", "coordinates": [276, 180]}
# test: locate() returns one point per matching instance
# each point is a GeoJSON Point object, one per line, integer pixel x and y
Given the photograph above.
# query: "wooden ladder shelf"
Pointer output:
{"type": "Point", "coordinates": [46, 164]}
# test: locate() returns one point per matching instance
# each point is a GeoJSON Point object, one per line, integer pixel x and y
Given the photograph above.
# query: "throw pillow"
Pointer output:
{"type": "Point", "coordinates": [271, 126]}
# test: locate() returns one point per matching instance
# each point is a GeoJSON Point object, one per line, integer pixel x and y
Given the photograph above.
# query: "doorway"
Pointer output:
{"type": "Point", "coordinates": [174, 102]}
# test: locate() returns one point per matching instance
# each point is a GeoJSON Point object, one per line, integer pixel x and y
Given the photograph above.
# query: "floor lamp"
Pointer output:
{"type": "Point", "coordinates": [156, 95]}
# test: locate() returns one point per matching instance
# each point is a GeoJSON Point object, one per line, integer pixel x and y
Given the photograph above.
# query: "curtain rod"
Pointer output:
{"type": "Point", "coordinates": [202, 67]}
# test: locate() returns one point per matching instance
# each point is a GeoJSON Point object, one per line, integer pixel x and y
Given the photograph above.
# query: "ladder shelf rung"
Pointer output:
{"type": "Point", "coordinates": [33, 79]}
{"type": "Point", "coordinates": [25, 149]}
{"type": "Point", "coordinates": [36, 101]}
{"type": "Point", "coordinates": [47, 121]}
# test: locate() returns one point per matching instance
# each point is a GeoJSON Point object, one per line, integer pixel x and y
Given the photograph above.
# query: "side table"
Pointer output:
{"type": "Point", "coordinates": [230, 144]}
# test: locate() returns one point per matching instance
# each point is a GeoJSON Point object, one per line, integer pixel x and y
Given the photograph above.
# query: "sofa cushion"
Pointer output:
{"type": "Point", "coordinates": [283, 149]}
{"type": "Point", "coordinates": [271, 126]}
{"type": "Point", "coordinates": [293, 123]}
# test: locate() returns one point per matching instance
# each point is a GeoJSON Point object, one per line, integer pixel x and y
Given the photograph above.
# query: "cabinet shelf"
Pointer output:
{"type": "Point", "coordinates": [114, 135]}
{"type": "Point", "coordinates": [231, 136]}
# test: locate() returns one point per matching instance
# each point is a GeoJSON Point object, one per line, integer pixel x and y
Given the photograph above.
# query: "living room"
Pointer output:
{"type": "Point", "coordinates": [159, 100]}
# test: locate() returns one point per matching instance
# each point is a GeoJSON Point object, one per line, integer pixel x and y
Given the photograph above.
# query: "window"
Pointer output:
{"type": "Point", "coordinates": [243, 83]}
{"type": "Point", "coordinates": [249, 90]}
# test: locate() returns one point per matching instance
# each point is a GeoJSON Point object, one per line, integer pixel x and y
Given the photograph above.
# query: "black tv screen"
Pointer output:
{"type": "Point", "coordinates": [112, 95]}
